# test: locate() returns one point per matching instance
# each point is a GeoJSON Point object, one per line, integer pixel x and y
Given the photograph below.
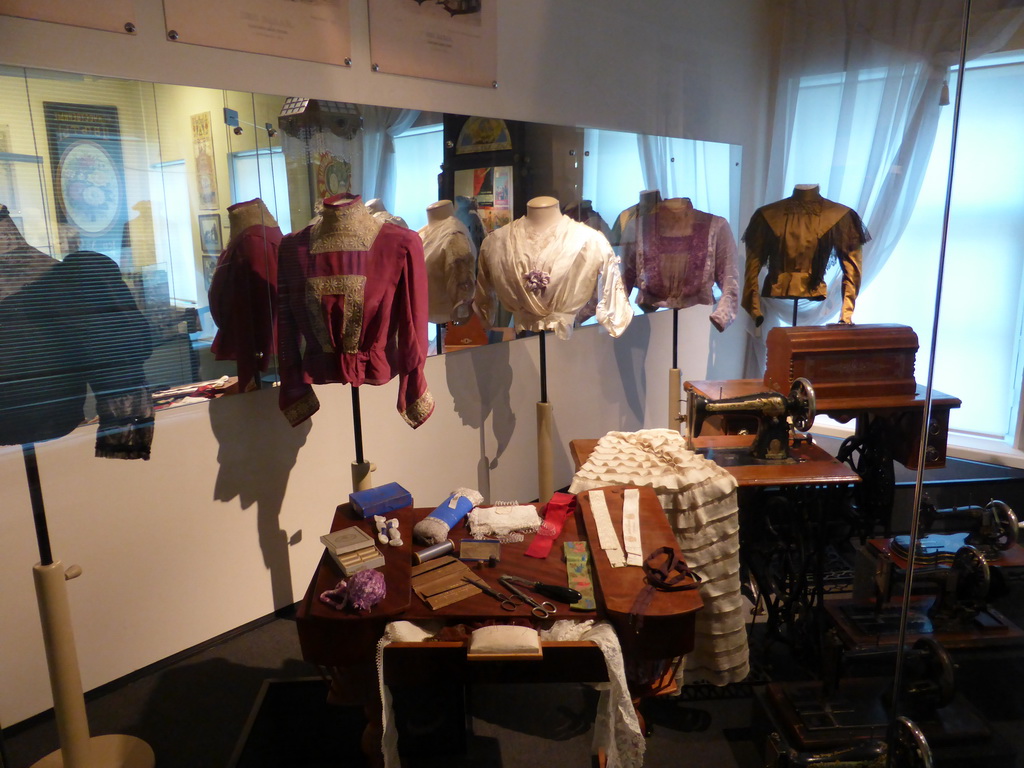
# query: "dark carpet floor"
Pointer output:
{"type": "Point", "coordinates": [251, 702]}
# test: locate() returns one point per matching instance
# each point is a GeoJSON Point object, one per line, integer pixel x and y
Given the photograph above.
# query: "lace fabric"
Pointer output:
{"type": "Point", "coordinates": [617, 729]}
{"type": "Point", "coordinates": [699, 498]}
{"type": "Point", "coordinates": [505, 523]}
{"type": "Point", "coordinates": [345, 225]}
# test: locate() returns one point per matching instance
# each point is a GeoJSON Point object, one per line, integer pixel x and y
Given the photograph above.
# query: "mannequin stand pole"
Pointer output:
{"type": "Point", "coordinates": [77, 748]}
{"type": "Point", "coordinates": [545, 449]}
{"type": "Point", "coordinates": [362, 471]}
{"type": "Point", "coordinates": [675, 416]}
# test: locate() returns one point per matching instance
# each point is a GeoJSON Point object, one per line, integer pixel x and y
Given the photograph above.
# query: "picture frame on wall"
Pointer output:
{"type": "Point", "coordinates": [86, 164]}
{"type": "Point", "coordinates": [209, 265]}
{"type": "Point", "coordinates": [209, 233]}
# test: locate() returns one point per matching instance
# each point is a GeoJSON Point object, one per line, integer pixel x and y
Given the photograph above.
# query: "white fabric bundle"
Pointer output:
{"type": "Point", "coordinates": [699, 498]}
{"type": "Point", "coordinates": [434, 528]}
{"type": "Point", "coordinates": [506, 523]}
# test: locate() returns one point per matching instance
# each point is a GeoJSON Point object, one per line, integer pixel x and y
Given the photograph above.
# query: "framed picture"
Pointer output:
{"type": "Point", "coordinates": [209, 264]}
{"type": "Point", "coordinates": [209, 233]}
{"type": "Point", "coordinates": [206, 169]}
{"type": "Point", "coordinates": [88, 175]}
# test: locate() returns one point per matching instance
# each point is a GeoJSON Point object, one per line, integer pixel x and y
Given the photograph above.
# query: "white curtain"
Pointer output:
{"type": "Point", "coordinates": [698, 170]}
{"type": "Point", "coordinates": [869, 68]}
{"type": "Point", "coordinates": [380, 127]}
{"type": "Point", "coordinates": [654, 164]}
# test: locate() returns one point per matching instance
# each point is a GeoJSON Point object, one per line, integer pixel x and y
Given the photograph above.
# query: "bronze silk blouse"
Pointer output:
{"type": "Point", "coordinates": [797, 238]}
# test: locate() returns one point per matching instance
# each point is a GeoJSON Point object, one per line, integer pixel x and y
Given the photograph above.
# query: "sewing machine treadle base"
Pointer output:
{"type": "Point", "coordinates": [794, 718]}
{"type": "Point", "coordinates": [860, 626]}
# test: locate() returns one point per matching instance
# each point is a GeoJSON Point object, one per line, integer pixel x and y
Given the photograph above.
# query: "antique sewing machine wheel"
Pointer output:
{"type": "Point", "coordinates": [973, 577]}
{"type": "Point", "coordinates": [1004, 522]}
{"type": "Point", "coordinates": [909, 748]}
{"type": "Point", "coordinates": [930, 682]}
{"type": "Point", "coordinates": [802, 394]}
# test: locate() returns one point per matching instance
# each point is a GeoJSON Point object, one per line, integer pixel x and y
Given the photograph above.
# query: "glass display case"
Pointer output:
{"type": "Point", "coordinates": [891, 117]}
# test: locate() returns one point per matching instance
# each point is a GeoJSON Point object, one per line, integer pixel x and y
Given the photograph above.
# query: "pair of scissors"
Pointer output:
{"type": "Point", "coordinates": [508, 602]}
{"type": "Point", "coordinates": [540, 610]}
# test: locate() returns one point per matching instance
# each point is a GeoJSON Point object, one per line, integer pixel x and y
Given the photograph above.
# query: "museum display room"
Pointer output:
{"type": "Point", "coordinates": [742, 279]}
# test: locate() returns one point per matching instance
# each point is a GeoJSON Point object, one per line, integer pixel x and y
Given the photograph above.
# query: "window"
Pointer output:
{"type": "Point", "coordinates": [978, 356]}
{"type": "Point", "coordinates": [173, 236]}
{"type": "Point", "coordinates": [261, 173]}
{"type": "Point", "coordinates": [419, 153]}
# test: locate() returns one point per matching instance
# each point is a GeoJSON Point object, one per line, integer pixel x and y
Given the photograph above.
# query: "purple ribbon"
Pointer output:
{"type": "Point", "coordinates": [537, 281]}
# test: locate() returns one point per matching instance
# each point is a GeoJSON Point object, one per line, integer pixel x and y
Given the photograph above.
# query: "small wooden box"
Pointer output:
{"type": "Point", "coordinates": [353, 550]}
{"type": "Point", "coordinates": [843, 361]}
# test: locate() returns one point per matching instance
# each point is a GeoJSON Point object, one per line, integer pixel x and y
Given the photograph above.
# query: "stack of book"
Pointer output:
{"type": "Point", "coordinates": [353, 550]}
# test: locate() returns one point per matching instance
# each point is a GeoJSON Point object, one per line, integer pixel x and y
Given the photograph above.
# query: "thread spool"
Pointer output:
{"type": "Point", "coordinates": [444, 548]}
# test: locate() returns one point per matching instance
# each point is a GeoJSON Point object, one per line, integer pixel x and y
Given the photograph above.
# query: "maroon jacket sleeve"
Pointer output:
{"type": "Point", "coordinates": [297, 399]}
{"type": "Point", "coordinates": [409, 322]}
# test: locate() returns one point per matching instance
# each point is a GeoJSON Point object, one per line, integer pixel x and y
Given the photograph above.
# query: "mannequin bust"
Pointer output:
{"type": "Point", "coordinates": [376, 207]}
{"type": "Point", "coordinates": [252, 213]}
{"type": "Point", "coordinates": [543, 213]}
{"type": "Point", "coordinates": [11, 238]}
{"type": "Point", "coordinates": [675, 217]}
{"type": "Point", "coordinates": [441, 210]}
{"type": "Point", "coordinates": [648, 200]}
{"type": "Point", "coordinates": [450, 259]}
{"type": "Point", "coordinates": [20, 263]}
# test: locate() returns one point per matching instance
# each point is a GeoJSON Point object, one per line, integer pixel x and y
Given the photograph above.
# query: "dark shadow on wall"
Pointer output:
{"type": "Point", "coordinates": [480, 381]}
{"type": "Point", "coordinates": [630, 355]}
{"type": "Point", "coordinates": [256, 453]}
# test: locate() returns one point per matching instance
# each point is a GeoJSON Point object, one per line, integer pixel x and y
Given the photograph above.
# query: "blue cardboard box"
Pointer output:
{"type": "Point", "coordinates": [382, 500]}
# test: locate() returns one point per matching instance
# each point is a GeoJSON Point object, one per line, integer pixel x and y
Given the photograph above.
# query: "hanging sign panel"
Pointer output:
{"type": "Point", "coordinates": [311, 30]}
{"type": "Point", "coordinates": [451, 40]}
{"type": "Point", "coordinates": [111, 15]}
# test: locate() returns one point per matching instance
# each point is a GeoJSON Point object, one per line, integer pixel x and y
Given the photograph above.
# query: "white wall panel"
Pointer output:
{"type": "Point", "coordinates": [222, 525]}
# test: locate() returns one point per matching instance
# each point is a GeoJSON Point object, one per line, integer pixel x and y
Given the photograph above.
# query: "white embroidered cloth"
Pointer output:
{"type": "Point", "coordinates": [699, 498]}
{"type": "Point", "coordinates": [503, 522]}
{"type": "Point", "coordinates": [544, 277]}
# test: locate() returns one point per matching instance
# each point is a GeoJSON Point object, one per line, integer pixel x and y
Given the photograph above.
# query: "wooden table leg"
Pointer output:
{"type": "Point", "coordinates": [359, 686]}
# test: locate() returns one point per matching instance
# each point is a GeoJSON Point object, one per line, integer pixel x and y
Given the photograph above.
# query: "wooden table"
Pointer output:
{"type": "Point", "coordinates": [345, 643]}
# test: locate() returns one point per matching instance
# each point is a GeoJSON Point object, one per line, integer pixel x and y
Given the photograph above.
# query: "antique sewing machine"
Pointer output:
{"type": "Point", "coordinates": [993, 529]}
{"type": "Point", "coordinates": [957, 586]}
{"type": "Point", "coordinates": [849, 720]}
{"type": "Point", "coordinates": [777, 415]}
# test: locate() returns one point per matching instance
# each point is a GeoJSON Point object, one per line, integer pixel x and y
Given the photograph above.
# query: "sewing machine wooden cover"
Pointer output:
{"type": "Point", "coordinates": [843, 361]}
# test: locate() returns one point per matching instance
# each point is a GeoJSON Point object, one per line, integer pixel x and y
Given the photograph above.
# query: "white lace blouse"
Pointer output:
{"type": "Point", "coordinates": [544, 277]}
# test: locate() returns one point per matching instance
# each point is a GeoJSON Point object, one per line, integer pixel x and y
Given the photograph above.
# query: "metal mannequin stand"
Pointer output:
{"type": "Point", "coordinates": [362, 471]}
{"type": "Point", "coordinates": [675, 415]}
{"type": "Point", "coordinates": [77, 748]}
{"type": "Point", "coordinates": [545, 449]}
